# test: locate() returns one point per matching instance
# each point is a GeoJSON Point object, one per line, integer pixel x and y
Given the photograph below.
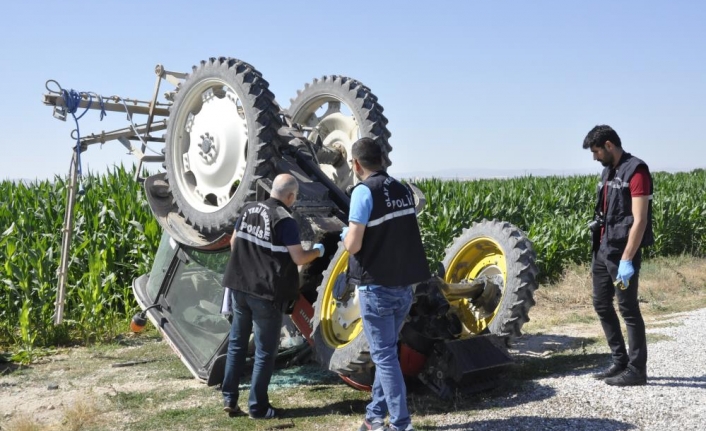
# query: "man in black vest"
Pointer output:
{"type": "Point", "coordinates": [386, 259]}
{"type": "Point", "coordinates": [621, 227]}
{"type": "Point", "coordinates": [263, 280]}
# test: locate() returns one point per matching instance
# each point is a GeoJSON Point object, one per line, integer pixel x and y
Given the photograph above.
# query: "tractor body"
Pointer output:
{"type": "Point", "coordinates": [225, 139]}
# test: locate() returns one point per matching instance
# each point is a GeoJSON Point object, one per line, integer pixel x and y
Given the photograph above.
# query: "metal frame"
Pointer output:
{"type": "Point", "coordinates": [142, 133]}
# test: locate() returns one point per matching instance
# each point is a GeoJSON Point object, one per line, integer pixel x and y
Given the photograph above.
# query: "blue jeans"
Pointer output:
{"type": "Point", "coordinates": [251, 313]}
{"type": "Point", "coordinates": [383, 310]}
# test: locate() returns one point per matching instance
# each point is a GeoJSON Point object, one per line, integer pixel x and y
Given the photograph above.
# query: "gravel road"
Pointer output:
{"type": "Point", "coordinates": [674, 397]}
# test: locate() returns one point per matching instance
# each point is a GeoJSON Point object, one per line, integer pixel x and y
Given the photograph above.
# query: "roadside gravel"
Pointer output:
{"type": "Point", "coordinates": [674, 397]}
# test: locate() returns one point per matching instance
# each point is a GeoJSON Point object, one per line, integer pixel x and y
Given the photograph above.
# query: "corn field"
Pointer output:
{"type": "Point", "coordinates": [116, 237]}
{"type": "Point", "coordinates": [554, 212]}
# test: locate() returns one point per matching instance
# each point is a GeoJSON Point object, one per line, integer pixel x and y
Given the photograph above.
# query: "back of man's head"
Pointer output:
{"type": "Point", "coordinates": [283, 185]}
{"type": "Point", "coordinates": [368, 153]}
{"type": "Point", "coordinates": [598, 136]}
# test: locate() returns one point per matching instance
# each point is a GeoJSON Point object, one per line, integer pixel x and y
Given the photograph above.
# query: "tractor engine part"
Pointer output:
{"type": "Point", "coordinates": [468, 365]}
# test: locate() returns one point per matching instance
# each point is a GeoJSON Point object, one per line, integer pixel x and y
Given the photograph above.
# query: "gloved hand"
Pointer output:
{"type": "Point", "coordinates": [319, 247]}
{"type": "Point", "coordinates": [344, 232]}
{"type": "Point", "coordinates": [625, 271]}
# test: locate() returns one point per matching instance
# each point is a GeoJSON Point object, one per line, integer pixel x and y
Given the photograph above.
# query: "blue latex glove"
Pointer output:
{"type": "Point", "coordinates": [625, 271]}
{"type": "Point", "coordinates": [344, 232]}
{"type": "Point", "coordinates": [319, 247]}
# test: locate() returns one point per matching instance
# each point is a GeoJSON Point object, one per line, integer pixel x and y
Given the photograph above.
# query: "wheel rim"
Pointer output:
{"type": "Point", "coordinates": [340, 322]}
{"type": "Point", "coordinates": [355, 385]}
{"type": "Point", "coordinates": [481, 256]}
{"type": "Point", "coordinates": [328, 118]}
{"type": "Point", "coordinates": [210, 146]}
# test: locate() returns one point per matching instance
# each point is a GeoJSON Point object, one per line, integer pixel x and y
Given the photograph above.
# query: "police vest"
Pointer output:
{"type": "Point", "coordinates": [618, 215]}
{"type": "Point", "coordinates": [392, 253]}
{"type": "Point", "coordinates": [259, 264]}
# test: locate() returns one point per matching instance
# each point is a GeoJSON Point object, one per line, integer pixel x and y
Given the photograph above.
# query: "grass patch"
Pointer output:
{"type": "Point", "coordinates": [656, 325]}
{"type": "Point", "coordinates": [154, 399]}
{"type": "Point", "coordinates": [81, 415]}
{"type": "Point", "coordinates": [667, 285]}
{"type": "Point", "coordinates": [583, 353]}
{"type": "Point", "coordinates": [148, 357]}
{"type": "Point", "coordinates": [657, 337]}
{"type": "Point", "coordinates": [23, 423]}
{"type": "Point", "coordinates": [564, 362]}
{"type": "Point", "coordinates": [307, 407]}
{"type": "Point", "coordinates": [170, 367]}
{"type": "Point", "coordinates": [165, 396]}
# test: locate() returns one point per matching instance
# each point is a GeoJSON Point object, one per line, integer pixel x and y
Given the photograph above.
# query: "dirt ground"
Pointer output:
{"type": "Point", "coordinates": [55, 384]}
{"type": "Point", "coordinates": [139, 374]}
{"type": "Point", "coordinates": [90, 378]}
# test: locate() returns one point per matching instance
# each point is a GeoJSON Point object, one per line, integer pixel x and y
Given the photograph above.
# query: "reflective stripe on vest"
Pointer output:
{"type": "Point", "coordinates": [261, 243]}
{"type": "Point", "coordinates": [390, 216]}
{"type": "Point", "coordinates": [618, 183]}
{"type": "Point", "coordinates": [615, 183]}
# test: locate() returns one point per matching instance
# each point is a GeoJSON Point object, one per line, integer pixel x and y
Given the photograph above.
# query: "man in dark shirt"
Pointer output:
{"type": "Point", "coordinates": [262, 280]}
{"type": "Point", "coordinates": [623, 225]}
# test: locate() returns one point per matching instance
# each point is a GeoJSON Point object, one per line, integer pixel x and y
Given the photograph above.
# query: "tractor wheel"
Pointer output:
{"type": "Point", "coordinates": [219, 141]}
{"type": "Point", "coordinates": [338, 111]}
{"type": "Point", "coordinates": [339, 342]}
{"type": "Point", "coordinates": [494, 248]}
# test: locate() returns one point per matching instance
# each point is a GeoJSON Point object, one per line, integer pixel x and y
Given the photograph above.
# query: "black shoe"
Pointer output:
{"type": "Point", "coordinates": [271, 413]}
{"type": "Point", "coordinates": [629, 377]}
{"type": "Point", "coordinates": [613, 371]}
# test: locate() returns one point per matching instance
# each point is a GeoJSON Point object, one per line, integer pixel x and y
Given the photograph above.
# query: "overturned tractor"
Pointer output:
{"type": "Point", "coordinates": [226, 139]}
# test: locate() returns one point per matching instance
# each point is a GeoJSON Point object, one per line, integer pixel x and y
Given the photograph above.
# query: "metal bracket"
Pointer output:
{"type": "Point", "coordinates": [152, 109]}
{"type": "Point", "coordinates": [173, 78]}
{"type": "Point", "coordinates": [141, 156]}
{"type": "Point", "coordinates": [60, 113]}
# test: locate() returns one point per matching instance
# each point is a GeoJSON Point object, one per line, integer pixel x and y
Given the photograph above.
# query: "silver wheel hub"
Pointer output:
{"type": "Point", "coordinates": [210, 150]}
{"type": "Point", "coordinates": [337, 131]}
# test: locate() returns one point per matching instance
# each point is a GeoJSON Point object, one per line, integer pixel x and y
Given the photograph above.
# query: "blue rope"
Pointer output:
{"type": "Point", "coordinates": [102, 104]}
{"type": "Point", "coordinates": [73, 100]}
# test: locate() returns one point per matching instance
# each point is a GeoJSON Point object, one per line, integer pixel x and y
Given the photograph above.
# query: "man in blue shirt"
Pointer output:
{"type": "Point", "coordinates": [386, 258]}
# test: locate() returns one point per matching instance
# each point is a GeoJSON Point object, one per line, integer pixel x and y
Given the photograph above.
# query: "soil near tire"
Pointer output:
{"type": "Point", "coordinates": [98, 377]}
{"type": "Point", "coordinates": [137, 382]}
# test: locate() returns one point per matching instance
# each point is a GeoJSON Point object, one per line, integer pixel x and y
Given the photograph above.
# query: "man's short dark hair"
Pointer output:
{"type": "Point", "coordinates": [368, 153]}
{"type": "Point", "coordinates": [598, 136]}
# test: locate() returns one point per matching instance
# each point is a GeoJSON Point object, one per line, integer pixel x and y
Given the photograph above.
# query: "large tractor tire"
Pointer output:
{"type": "Point", "coordinates": [339, 342]}
{"type": "Point", "coordinates": [219, 141]}
{"type": "Point", "coordinates": [494, 248]}
{"type": "Point", "coordinates": [337, 111]}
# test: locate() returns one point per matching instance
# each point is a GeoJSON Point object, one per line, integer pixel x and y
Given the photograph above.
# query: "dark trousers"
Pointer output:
{"type": "Point", "coordinates": [604, 270]}
{"type": "Point", "coordinates": [264, 320]}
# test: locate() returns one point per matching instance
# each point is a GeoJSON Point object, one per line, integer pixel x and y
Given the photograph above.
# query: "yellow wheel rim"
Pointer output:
{"type": "Point", "coordinates": [481, 256]}
{"type": "Point", "coordinates": [339, 325]}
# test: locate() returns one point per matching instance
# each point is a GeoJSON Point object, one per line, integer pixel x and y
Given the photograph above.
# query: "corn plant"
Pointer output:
{"type": "Point", "coordinates": [555, 211]}
{"type": "Point", "coordinates": [116, 236]}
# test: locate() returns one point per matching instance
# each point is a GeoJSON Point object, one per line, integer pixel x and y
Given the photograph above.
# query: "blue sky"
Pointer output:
{"type": "Point", "coordinates": [465, 84]}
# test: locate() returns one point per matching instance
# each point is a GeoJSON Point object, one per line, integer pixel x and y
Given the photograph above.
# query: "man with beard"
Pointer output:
{"type": "Point", "coordinates": [622, 225]}
{"type": "Point", "coordinates": [386, 259]}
